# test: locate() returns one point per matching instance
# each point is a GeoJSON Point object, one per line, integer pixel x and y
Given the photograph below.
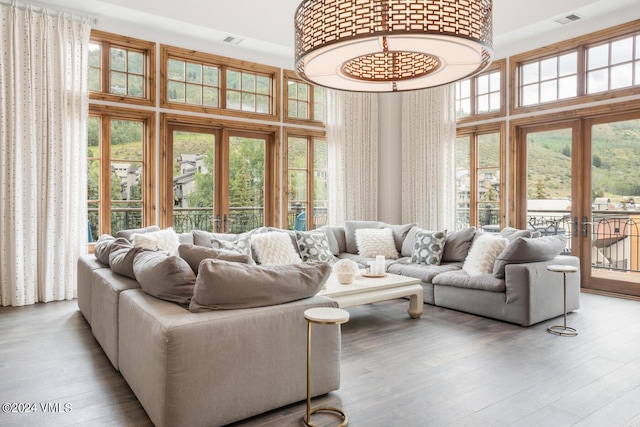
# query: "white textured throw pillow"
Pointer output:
{"type": "Point", "coordinates": [483, 253]}
{"type": "Point", "coordinates": [165, 240]}
{"type": "Point", "coordinates": [274, 248]}
{"type": "Point", "coordinates": [376, 241]}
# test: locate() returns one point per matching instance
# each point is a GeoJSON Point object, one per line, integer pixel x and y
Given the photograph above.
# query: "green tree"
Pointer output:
{"type": "Point", "coordinates": [566, 150]}
{"type": "Point", "coordinates": [597, 161]}
{"type": "Point", "coordinates": [541, 190]}
{"type": "Point", "coordinates": [203, 195]}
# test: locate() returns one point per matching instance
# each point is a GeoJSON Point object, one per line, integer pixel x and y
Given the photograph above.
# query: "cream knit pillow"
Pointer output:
{"type": "Point", "coordinates": [274, 247]}
{"type": "Point", "coordinates": [483, 253]}
{"type": "Point", "coordinates": [376, 241]}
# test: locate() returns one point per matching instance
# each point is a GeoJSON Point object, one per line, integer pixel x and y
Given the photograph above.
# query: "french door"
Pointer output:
{"type": "Point", "coordinates": [579, 178]}
{"type": "Point", "coordinates": [217, 179]}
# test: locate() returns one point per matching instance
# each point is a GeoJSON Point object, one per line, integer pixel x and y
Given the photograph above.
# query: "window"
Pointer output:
{"type": "Point", "coordinates": [482, 96]}
{"type": "Point", "coordinates": [305, 104]}
{"type": "Point", "coordinates": [208, 83]}
{"type": "Point", "coordinates": [600, 65]}
{"type": "Point", "coordinates": [306, 160]}
{"type": "Point", "coordinates": [121, 69]}
{"type": "Point", "coordinates": [480, 178]}
{"type": "Point", "coordinates": [120, 170]}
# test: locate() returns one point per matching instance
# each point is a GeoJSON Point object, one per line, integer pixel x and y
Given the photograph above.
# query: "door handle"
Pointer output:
{"type": "Point", "coordinates": [585, 226]}
{"type": "Point", "coordinates": [575, 226]}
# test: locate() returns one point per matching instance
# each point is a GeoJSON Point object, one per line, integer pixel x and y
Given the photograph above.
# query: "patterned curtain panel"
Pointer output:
{"type": "Point", "coordinates": [352, 139]}
{"type": "Point", "coordinates": [428, 162]}
{"type": "Point", "coordinates": [43, 132]}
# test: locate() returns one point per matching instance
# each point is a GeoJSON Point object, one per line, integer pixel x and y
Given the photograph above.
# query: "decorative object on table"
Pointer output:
{"type": "Point", "coordinates": [322, 316]}
{"type": "Point", "coordinates": [346, 271]}
{"type": "Point", "coordinates": [563, 330]}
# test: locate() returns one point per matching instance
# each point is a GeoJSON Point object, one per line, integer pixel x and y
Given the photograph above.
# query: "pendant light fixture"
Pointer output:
{"type": "Point", "coordinates": [391, 45]}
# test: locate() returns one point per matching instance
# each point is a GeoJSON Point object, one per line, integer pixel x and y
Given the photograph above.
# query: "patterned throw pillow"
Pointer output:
{"type": "Point", "coordinates": [314, 246]}
{"type": "Point", "coordinates": [241, 245]}
{"type": "Point", "coordinates": [428, 247]}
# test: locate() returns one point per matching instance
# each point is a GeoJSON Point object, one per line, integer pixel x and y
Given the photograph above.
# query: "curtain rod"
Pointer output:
{"type": "Point", "coordinates": [39, 7]}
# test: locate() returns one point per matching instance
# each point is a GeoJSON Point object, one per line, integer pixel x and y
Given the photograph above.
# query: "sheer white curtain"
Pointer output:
{"type": "Point", "coordinates": [352, 139]}
{"type": "Point", "coordinates": [43, 119]}
{"type": "Point", "coordinates": [428, 162]}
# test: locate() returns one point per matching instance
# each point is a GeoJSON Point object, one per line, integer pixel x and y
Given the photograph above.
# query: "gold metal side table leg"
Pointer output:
{"type": "Point", "coordinates": [563, 330]}
{"type": "Point", "coordinates": [336, 411]}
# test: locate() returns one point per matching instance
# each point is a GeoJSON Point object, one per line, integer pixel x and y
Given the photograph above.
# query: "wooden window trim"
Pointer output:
{"type": "Point", "coordinates": [223, 63]}
{"type": "Point", "coordinates": [115, 40]}
{"type": "Point", "coordinates": [473, 132]}
{"type": "Point", "coordinates": [580, 44]}
{"type": "Point", "coordinates": [148, 159]}
{"type": "Point", "coordinates": [289, 75]}
{"type": "Point", "coordinates": [500, 65]}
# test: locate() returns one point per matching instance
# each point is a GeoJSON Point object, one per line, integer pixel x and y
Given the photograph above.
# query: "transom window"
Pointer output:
{"type": "Point", "coordinates": [613, 65]}
{"type": "Point", "coordinates": [549, 79]}
{"type": "Point", "coordinates": [120, 69]}
{"type": "Point", "coordinates": [192, 83]}
{"type": "Point", "coordinates": [248, 91]}
{"type": "Point", "coordinates": [305, 103]}
{"type": "Point", "coordinates": [482, 95]}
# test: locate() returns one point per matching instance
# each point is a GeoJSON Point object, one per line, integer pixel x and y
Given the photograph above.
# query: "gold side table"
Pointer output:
{"type": "Point", "coordinates": [322, 316]}
{"type": "Point", "coordinates": [563, 330]}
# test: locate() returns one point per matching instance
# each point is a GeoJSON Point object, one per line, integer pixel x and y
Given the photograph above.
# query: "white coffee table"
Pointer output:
{"type": "Point", "coordinates": [365, 290]}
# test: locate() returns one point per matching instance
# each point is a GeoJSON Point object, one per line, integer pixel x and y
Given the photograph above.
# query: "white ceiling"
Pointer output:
{"type": "Point", "coordinates": [267, 25]}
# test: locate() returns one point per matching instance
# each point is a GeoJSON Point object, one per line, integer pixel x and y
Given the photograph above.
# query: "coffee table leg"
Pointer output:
{"type": "Point", "coordinates": [416, 305]}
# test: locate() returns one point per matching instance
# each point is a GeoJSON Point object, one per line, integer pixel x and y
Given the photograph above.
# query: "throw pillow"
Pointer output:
{"type": "Point", "coordinates": [524, 249]}
{"type": "Point", "coordinates": [165, 240]}
{"type": "Point", "coordinates": [274, 248]}
{"type": "Point", "coordinates": [194, 255]}
{"type": "Point", "coordinates": [513, 233]}
{"type": "Point", "coordinates": [127, 234]}
{"type": "Point", "coordinates": [223, 285]}
{"type": "Point", "coordinates": [239, 245]}
{"type": "Point", "coordinates": [331, 237]}
{"type": "Point", "coordinates": [428, 247]}
{"type": "Point", "coordinates": [166, 277]}
{"type": "Point", "coordinates": [314, 246]}
{"type": "Point", "coordinates": [483, 253]}
{"type": "Point", "coordinates": [350, 228]}
{"type": "Point", "coordinates": [376, 241]}
{"type": "Point", "coordinates": [457, 245]}
{"type": "Point", "coordinates": [400, 233]}
{"type": "Point", "coordinates": [102, 248]}
{"type": "Point", "coordinates": [121, 257]}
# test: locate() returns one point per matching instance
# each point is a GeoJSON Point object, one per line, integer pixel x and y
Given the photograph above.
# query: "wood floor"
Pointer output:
{"type": "Point", "coordinates": [445, 369]}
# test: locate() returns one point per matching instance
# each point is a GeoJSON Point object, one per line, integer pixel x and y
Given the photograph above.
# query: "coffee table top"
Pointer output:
{"type": "Point", "coordinates": [366, 284]}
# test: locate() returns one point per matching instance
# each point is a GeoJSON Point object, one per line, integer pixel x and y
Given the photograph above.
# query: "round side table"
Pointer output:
{"type": "Point", "coordinates": [563, 330]}
{"type": "Point", "coordinates": [322, 316]}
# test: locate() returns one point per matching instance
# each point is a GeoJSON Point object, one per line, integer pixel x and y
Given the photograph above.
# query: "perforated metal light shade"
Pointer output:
{"type": "Point", "coordinates": [391, 45]}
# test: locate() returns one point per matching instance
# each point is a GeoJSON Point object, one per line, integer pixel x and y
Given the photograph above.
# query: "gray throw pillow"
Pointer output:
{"type": "Point", "coordinates": [400, 233]}
{"type": "Point", "coordinates": [203, 238]}
{"type": "Point", "coordinates": [121, 257]}
{"type": "Point", "coordinates": [240, 245]}
{"type": "Point", "coordinates": [166, 277]}
{"type": "Point", "coordinates": [194, 254]}
{"type": "Point", "coordinates": [457, 245]}
{"type": "Point", "coordinates": [350, 228]}
{"type": "Point", "coordinates": [223, 285]}
{"type": "Point", "coordinates": [102, 248]}
{"type": "Point", "coordinates": [525, 249]}
{"type": "Point", "coordinates": [314, 246]}
{"type": "Point", "coordinates": [428, 247]}
{"type": "Point", "coordinates": [334, 245]}
{"type": "Point", "coordinates": [127, 234]}
{"type": "Point", "coordinates": [513, 233]}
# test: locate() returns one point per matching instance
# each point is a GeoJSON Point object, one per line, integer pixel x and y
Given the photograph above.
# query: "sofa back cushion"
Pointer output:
{"type": "Point", "coordinates": [335, 237]}
{"type": "Point", "coordinates": [223, 285]}
{"type": "Point", "coordinates": [166, 277]}
{"type": "Point", "coordinates": [102, 248]}
{"type": "Point", "coordinates": [194, 255]}
{"type": "Point", "coordinates": [127, 234]}
{"type": "Point", "coordinates": [121, 257]}
{"type": "Point", "coordinates": [513, 233]}
{"type": "Point", "coordinates": [523, 249]}
{"type": "Point", "coordinates": [457, 245]}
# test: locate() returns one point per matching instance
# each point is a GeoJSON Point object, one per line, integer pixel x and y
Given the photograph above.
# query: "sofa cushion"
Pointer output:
{"type": "Point", "coordinates": [223, 285]}
{"type": "Point", "coordinates": [334, 244]}
{"type": "Point", "coordinates": [102, 248]}
{"type": "Point", "coordinates": [400, 233]}
{"type": "Point", "coordinates": [194, 254]}
{"type": "Point", "coordinates": [523, 249]}
{"type": "Point", "coordinates": [350, 228]}
{"type": "Point", "coordinates": [121, 257]}
{"type": "Point", "coordinates": [127, 234]}
{"type": "Point", "coordinates": [165, 240]}
{"type": "Point", "coordinates": [456, 247]}
{"type": "Point", "coordinates": [483, 253]}
{"type": "Point", "coordinates": [314, 246]}
{"type": "Point", "coordinates": [428, 247]}
{"type": "Point", "coordinates": [461, 279]}
{"type": "Point", "coordinates": [513, 233]}
{"type": "Point", "coordinates": [426, 273]}
{"type": "Point", "coordinates": [240, 245]}
{"type": "Point", "coordinates": [274, 248]}
{"type": "Point", "coordinates": [372, 242]}
{"type": "Point", "coordinates": [166, 277]}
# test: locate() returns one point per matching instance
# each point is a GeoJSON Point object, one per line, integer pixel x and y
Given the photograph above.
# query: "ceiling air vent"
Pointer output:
{"type": "Point", "coordinates": [569, 18]}
{"type": "Point", "coordinates": [232, 40]}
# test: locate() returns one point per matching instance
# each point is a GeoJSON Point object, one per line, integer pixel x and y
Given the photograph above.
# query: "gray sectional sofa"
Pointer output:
{"type": "Point", "coordinates": [208, 368]}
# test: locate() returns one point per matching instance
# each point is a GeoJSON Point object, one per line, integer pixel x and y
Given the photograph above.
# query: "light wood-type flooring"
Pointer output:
{"type": "Point", "coordinates": [445, 369]}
